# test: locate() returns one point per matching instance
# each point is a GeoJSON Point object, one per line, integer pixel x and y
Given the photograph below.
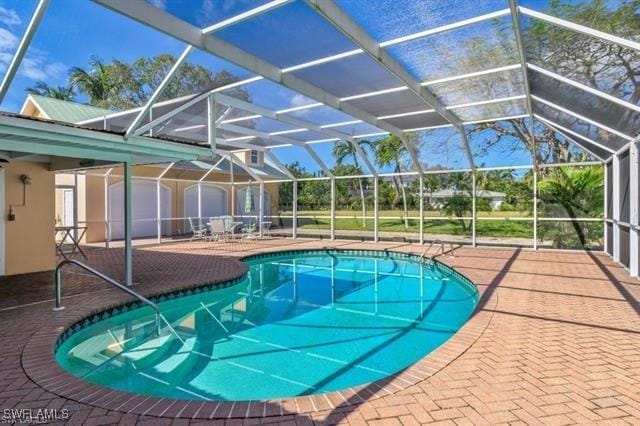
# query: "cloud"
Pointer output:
{"type": "Point", "coordinates": [160, 4]}
{"type": "Point", "coordinates": [8, 40]}
{"type": "Point", "coordinates": [36, 64]}
{"type": "Point", "coordinates": [299, 100]}
{"type": "Point", "coordinates": [9, 17]}
{"type": "Point", "coordinates": [38, 68]}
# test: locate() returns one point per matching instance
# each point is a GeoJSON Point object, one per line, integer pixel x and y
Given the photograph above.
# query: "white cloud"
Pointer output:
{"type": "Point", "coordinates": [38, 68]}
{"type": "Point", "coordinates": [35, 66]}
{"type": "Point", "coordinates": [299, 100]}
{"type": "Point", "coordinates": [160, 4]}
{"type": "Point", "coordinates": [9, 17]}
{"type": "Point", "coordinates": [8, 40]}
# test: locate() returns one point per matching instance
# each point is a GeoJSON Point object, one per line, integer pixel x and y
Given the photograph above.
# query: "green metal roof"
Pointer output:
{"type": "Point", "coordinates": [69, 112]}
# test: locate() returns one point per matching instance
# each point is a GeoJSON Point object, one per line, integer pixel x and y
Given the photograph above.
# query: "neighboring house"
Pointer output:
{"type": "Point", "coordinates": [437, 199]}
{"type": "Point", "coordinates": [95, 198]}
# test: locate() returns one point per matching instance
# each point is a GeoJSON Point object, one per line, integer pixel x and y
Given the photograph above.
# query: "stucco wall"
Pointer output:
{"type": "Point", "coordinates": [94, 196]}
{"type": "Point", "coordinates": [29, 240]}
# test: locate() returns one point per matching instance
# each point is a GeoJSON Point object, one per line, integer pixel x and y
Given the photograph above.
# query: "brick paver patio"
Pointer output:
{"type": "Point", "coordinates": [555, 340]}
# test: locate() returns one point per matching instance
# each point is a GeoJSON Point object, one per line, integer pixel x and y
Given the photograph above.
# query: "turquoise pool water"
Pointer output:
{"type": "Point", "coordinates": [298, 324]}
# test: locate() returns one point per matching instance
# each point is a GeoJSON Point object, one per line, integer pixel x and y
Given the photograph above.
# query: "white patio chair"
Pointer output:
{"type": "Point", "coordinates": [218, 229]}
{"type": "Point", "coordinates": [199, 232]}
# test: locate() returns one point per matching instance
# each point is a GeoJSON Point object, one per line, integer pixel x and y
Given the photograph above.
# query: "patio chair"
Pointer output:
{"type": "Point", "coordinates": [217, 227]}
{"type": "Point", "coordinates": [266, 229]}
{"type": "Point", "coordinates": [249, 230]}
{"type": "Point", "coordinates": [199, 232]}
{"type": "Point", "coordinates": [229, 225]}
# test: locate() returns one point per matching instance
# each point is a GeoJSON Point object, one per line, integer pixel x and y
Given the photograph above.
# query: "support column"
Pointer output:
{"type": "Point", "coordinates": [616, 207]}
{"type": "Point", "coordinates": [107, 212]}
{"type": "Point", "coordinates": [474, 193]}
{"type": "Point", "coordinates": [233, 190]}
{"type": "Point", "coordinates": [261, 209]}
{"type": "Point", "coordinates": [634, 217]}
{"type": "Point", "coordinates": [128, 225]}
{"type": "Point", "coordinates": [200, 204]}
{"type": "Point", "coordinates": [535, 208]}
{"type": "Point", "coordinates": [333, 208]}
{"type": "Point", "coordinates": [158, 212]}
{"type": "Point", "coordinates": [294, 207]}
{"type": "Point", "coordinates": [421, 222]}
{"type": "Point", "coordinates": [605, 208]}
{"type": "Point", "coordinates": [375, 210]}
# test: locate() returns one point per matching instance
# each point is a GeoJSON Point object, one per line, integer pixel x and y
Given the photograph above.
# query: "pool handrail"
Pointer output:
{"type": "Point", "coordinates": [109, 280]}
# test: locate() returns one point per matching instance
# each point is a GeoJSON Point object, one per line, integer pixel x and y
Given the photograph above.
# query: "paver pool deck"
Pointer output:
{"type": "Point", "coordinates": [555, 340]}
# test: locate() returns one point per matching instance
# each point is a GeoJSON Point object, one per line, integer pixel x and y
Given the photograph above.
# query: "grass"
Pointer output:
{"type": "Point", "coordinates": [388, 223]}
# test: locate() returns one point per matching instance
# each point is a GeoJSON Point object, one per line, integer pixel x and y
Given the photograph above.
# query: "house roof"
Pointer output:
{"type": "Point", "coordinates": [70, 112]}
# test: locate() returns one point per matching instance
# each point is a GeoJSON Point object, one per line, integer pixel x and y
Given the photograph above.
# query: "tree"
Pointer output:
{"type": "Point", "coordinates": [390, 152]}
{"type": "Point", "coordinates": [589, 60]}
{"type": "Point", "coordinates": [64, 93]}
{"type": "Point", "coordinates": [461, 201]}
{"type": "Point", "coordinates": [431, 184]}
{"type": "Point", "coordinates": [343, 150]}
{"type": "Point", "coordinates": [141, 78]}
{"type": "Point", "coordinates": [120, 85]}
{"type": "Point", "coordinates": [100, 83]}
{"type": "Point", "coordinates": [574, 193]}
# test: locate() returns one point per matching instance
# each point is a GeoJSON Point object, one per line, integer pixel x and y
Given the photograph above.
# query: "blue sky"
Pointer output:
{"type": "Point", "coordinates": [73, 31]}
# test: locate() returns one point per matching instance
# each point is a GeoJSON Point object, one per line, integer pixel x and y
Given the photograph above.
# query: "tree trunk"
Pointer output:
{"type": "Point", "coordinates": [576, 226]}
{"type": "Point", "coordinates": [364, 209]}
{"type": "Point", "coordinates": [404, 203]}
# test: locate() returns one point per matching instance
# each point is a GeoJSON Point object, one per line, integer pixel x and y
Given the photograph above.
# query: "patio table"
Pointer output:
{"type": "Point", "coordinates": [68, 233]}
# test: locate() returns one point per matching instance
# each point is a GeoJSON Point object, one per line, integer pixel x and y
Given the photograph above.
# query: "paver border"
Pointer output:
{"type": "Point", "coordinates": [39, 364]}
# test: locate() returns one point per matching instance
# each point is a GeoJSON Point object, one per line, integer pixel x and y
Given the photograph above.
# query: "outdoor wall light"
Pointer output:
{"type": "Point", "coordinates": [26, 180]}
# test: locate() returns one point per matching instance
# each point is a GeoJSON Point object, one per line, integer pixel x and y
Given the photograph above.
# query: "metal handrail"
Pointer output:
{"type": "Point", "coordinates": [58, 287]}
{"type": "Point", "coordinates": [440, 249]}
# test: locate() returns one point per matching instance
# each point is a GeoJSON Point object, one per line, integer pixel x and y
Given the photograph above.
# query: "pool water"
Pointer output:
{"type": "Point", "coordinates": [298, 324]}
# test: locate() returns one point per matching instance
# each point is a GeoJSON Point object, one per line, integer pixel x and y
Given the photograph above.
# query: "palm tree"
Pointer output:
{"type": "Point", "coordinates": [341, 151]}
{"type": "Point", "coordinates": [431, 184]}
{"type": "Point", "coordinates": [390, 152]}
{"type": "Point", "coordinates": [578, 192]}
{"type": "Point", "coordinates": [64, 93]}
{"type": "Point", "coordinates": [99, 83]}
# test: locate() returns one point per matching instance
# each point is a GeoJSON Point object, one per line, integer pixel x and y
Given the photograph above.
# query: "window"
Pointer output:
{"type": "Point", "coordinates": [254, 158]}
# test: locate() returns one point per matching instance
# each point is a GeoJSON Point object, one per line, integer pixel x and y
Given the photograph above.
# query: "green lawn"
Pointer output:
{"type": "Point", "coordinates": [498, 228]}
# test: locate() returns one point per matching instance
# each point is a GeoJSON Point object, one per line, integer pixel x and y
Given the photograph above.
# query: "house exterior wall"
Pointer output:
{"type": "Point", "coordinates": [29, 239]}
{"type": "Point", "coordinates": [91, 196]}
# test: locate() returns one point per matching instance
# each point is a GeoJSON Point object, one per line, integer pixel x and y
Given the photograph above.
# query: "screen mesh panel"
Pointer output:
{"type": "Point", "coordinates": [484, 45]}
{"type": "Point", "coordinates": [204, 13]}
{"type": "Point", "coordinates": [624, 246]}
{"type": "Point", "coordinates": [625, 206]}
{"type": "Point", "coordinates": [391, 103]}
{"type": "Point", "coordinates": [349, 76]}
{"type": "Point", "coordinates": [586, 104]}
{"type": "Point", "coordinates": [579, 126]}
{"type": "Point", "coordinates": [417, 121]}
{"type": "Point", "coordinates": [602, 15]}
{"type": "Point", "coordinates": [270, 95]}
{"type": "Point", "coordinates": [321, 115]}
{"type": "Point", "coordinates": [588, 60]}
{"type": "Point", "coordinates": [389, 19]}
{"type": "Point", "coordinates": [441, 149]}
{"type": "Point", "coordinates": [492, 86]}
{"type": "Point", "coordinates": [553, 147]}
{"type": "Point", "coordinates": [500, 143]}
{"type": "Point", "coordinates": [491, 111]}
{"type": "Point", "coordinates": [286, 36]}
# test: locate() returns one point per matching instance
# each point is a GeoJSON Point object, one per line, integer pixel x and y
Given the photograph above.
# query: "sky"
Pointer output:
{"type": "Point", "coordinates": [74, 31]}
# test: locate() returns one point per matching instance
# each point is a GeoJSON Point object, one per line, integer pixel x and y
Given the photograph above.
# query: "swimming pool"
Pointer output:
{"type": "Point", "coordinates": [299, 323]}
